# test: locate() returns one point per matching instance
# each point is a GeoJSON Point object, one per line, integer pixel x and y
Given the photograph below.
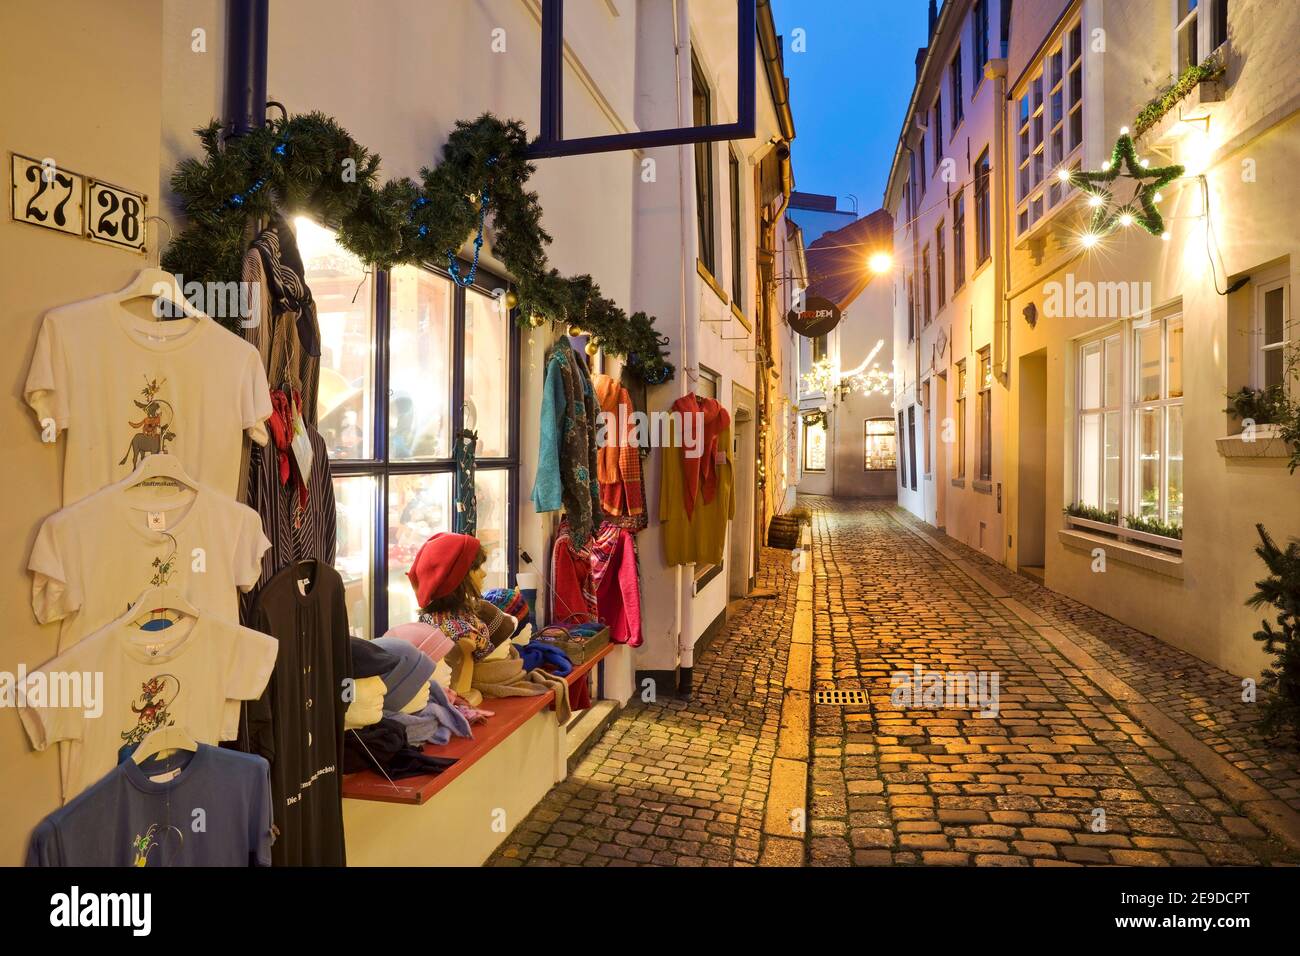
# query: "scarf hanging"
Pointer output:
{"type": "Point", "coordinates": [465, 517]}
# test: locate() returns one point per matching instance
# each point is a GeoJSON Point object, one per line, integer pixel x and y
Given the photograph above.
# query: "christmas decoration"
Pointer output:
{"type": "Point", "coordinates": [574, 331]}
{"type": "Point", "coordinates": [1192, 77]}
{"type": "Point", "coordinates": [309, 164]}
{"type": "Point", "coordinates": [511, 299]}
{"type": "Point", "coordinates": [1107, 216]}
{"type": "Point", "coordinates": [593, 347]}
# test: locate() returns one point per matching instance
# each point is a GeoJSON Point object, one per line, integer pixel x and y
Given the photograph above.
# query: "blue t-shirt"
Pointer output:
{"type": "Point", "coordinates": [214, 811]}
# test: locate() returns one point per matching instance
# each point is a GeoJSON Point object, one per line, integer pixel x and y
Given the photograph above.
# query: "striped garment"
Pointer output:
{"type": "Point", "coordinates": [296, 533]}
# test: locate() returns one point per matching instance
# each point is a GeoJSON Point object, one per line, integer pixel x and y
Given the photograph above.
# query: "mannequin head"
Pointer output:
{"type": "Point", "coordinates": [367, 705]}
{"type": "Point", "coordinates": [465, 595]}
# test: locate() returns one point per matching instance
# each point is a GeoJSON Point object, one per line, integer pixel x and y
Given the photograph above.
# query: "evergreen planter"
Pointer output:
{"type": "Point", "coordinates": [1121, 533]}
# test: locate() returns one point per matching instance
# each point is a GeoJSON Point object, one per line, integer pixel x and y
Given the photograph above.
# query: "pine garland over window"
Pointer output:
{"type": "Point", "coordinates": [309, 164]}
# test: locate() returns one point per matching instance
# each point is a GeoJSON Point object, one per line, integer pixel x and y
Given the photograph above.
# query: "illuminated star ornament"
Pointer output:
{"type": "Point", "coordinates": [1106, 215]}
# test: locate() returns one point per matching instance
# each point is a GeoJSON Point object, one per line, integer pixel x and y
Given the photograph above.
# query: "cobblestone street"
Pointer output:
{"type": "Point", "coordinates": [1108, 746]}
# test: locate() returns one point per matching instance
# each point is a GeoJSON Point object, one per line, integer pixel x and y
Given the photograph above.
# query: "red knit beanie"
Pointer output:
{"type": "Point", "coordinates": [441, 564]}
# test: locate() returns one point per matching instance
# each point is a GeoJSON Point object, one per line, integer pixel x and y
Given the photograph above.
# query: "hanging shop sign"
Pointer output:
{"type": "Point", "coordinates": [817, 317]}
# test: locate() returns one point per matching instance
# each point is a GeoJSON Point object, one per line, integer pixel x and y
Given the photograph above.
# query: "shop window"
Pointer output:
{"type": "Point", "coordinates": [1049, 129]}
{"type": "Point", "coordinates": [702, 109]}
{"type": "Point", "coordinates": [1130, 420]}
{"type": "Point", "coordinates": [954, 85]}
{"type": "Point", "coordinates": [961, 420]}
{"type": "Point", "coordinates": [984, 415]}
{"type": "Point", "coordinates": [737, 259]}
{"type": "Point", "coordinates": [447, 360]}
{"type": "Point", "coordinates": [814, 445]}
{"type": "Point", "coordinates": [940, 266]}
{"type": "Point", "coordinates": [958, 241]}
{"type": "Point", "coordinates": [1271, 332]}
{"type": "Point", "coordinates": [983, 233]}
{"type": "Point", "coordinates": [1100, 437]}
{"type": "Point", "coordinates": [880, 445]}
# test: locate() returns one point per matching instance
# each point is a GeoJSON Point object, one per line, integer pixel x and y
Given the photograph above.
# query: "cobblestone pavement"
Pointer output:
{"type": "Point", "coordinates": [679, 782]}
{"type": "Point", "coordinates": [944, 786]}
{"type": "Point", "coordinates": [1108, 747]}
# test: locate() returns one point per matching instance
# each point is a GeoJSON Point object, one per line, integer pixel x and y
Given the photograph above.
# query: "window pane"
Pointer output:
{"type": "Point", "coordinates": [1274, 321]}
{"type": "Point", "coordinates": [1090, 439]}
{"type": "Point", "coordinates": [1148, 363]}
{"type": "Point", "coordinates": [487, 381]}
{"type": "Point", "coordinates": [342, 289]}
{"type": "Point", "coordinates": [354, 499]}
{"type": "Point", "coordinates": [418, 506]}
{"type": "Point", "coordinates": [492, 498]}
{"type": "Point", "coordinates": [880, 444]}
{"type": "Point", "coordinates": [1114, 371]}
{"type": "Point", "coordinates": [1091, 373]}
{"type": "Point", "coordinates": [814, 453]}
{"type": "Point", "coordinates": [1148, 466]}
{"type": "Point", "coordinates": [419, 404]}
{"type": "Point", "coordinates": [1174, 477]}
{"type": "Point", "coordinates": [1111, 477]}
{"type": "Point", "coordinates": [1174, 387]}
{"type": "Point", "coordinates": [1272, 368]}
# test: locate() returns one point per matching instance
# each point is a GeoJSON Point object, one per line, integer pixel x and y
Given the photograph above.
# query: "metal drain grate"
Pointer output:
{"type": "Point", "coordinates": [840, 698]}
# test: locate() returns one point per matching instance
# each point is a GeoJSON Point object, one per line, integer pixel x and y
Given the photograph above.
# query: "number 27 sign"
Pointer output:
{"type": "Point", "coordinates": [46, 194]}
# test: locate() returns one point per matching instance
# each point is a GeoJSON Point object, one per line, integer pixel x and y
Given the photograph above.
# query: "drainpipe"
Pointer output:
{"type": "Point", "coordinates": [689, 324]}
{"type": "Point", "coordinates": [246, 56]}
{"type": "Point", "coordinates": [996, 70]}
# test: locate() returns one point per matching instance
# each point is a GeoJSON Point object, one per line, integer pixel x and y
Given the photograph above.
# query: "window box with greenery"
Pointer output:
{"type": "Point", "coordinates": [1270, 426]}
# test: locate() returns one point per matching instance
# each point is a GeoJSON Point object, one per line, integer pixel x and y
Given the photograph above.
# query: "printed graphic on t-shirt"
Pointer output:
{"type": "Point", "coordinates": [155, 838]}
{"type": "Point", "coordinates": [151, 709]}
{"type": "Point", "coordinates": [154, 429]}
{"type": "Point", "coordinates": [163, 568]}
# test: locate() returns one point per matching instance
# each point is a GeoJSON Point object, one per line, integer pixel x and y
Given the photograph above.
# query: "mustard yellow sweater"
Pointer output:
{"type": "Point", "coordinates": [702, 538]}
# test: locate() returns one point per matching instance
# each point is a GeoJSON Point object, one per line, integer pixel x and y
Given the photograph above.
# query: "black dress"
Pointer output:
{"type": "Point", "coordinates": [297, 725]}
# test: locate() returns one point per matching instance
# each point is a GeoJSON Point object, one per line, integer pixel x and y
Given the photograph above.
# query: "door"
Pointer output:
{"type": "Point", "coordinates": [1031, 478]}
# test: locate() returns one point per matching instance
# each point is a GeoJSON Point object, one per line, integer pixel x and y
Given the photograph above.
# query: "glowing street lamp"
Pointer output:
{"type": "Point", "coordinates": [880, 262]}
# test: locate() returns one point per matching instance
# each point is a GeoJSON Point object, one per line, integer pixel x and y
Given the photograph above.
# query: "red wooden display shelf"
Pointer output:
{"type": "Point", "coordinates": [509, 714]}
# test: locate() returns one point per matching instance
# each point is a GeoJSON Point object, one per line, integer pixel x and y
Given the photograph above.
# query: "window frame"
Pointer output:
{"type": "Point", "coordinates": [927, 311]}
{"type": "Point", "coordinates": [940, 267]}
{"type": "Point", "coordinates": [981, 189]}
{"type": "Point", "coordinates": [937, 114]}
{"type": "Point", "coordinates": [1258, 330]}
{"type": "Point", "coordinates": [735, 191]}
{"type": "Point", "coordinates": [960, 463]}
{"type": "Point", "coordinates": [984, 413]}
{"type": "Point", "coordinates": [958, 241]}
{"type": "Point", "coordinates": [979, 43]}
{"type": "Point", "coordinates": [1039, 192]}
{"type": "Point", "coordinates": [807, 468]}
{"type": "Point", "coordinates": [705, 179]}
{"type": "Point", "coordinates": [867, 435]}
{"type": "Point", "coordinates": [1128, 414]}
{"type": "Point", "coordinates": [955, 88]}
{"type": "Point", "coordinates": [382, 469]}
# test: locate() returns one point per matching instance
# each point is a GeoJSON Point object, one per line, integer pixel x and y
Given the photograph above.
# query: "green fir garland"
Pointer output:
{"type": "Point", "coordinates": [308, 163]}
{"type": "Point", "coordinates": [1142, 210]}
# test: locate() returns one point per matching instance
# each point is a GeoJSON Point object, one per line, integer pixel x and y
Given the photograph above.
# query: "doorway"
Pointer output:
{"type": "Point", "coordinates": [1031, 514]}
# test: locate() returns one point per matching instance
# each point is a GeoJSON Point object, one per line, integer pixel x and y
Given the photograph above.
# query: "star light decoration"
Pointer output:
{"type": "Point", "coordinates": [1107, 216]}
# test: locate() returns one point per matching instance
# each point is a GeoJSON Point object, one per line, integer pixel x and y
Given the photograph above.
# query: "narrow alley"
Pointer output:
{"type": "Point", "coordinates": [1107, 747]}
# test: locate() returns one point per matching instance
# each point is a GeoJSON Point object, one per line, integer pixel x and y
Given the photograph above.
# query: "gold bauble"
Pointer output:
{"type": "Point", "coordinates": [593, 347]}
{"type": "Point", "coordinates": [536, 320]}
{"type": "Point", "coordinates": [574, 330]}
{"type": "Point", "coordinates": [512, 299]}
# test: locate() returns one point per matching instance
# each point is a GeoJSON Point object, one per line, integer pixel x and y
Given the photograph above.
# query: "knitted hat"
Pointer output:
{"type": "Point", "coordinates": [441, 564]}
{"type": "Point", "coordinates": [430, 640]}
{"type": "Point", "coordinates": [413, 671]}
{"type": "Point", "coordinates": [370, 659]}
{"type": "Point", "coordinates": [500, 626]}
{"type": "Point", "coordinates": [510, 600]}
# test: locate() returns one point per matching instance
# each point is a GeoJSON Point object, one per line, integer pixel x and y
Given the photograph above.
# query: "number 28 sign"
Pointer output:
{"type": "Point", "coordinates": [46, 194]}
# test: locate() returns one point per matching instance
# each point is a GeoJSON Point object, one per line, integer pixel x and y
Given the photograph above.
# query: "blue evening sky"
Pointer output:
{"type": "Point", "coordinates": [849, 89]}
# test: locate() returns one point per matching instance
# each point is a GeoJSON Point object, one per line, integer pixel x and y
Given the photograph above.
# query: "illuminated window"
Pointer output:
{"type": "Point", "coordinates": [1049, 124]}
{"type": "Point", "coordinates": [814, 446]}
{"type": "Point", "coordinates": [881, 445]}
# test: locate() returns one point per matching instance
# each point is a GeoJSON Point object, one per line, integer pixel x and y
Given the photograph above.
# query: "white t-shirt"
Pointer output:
{"type": "Point", "coordinates": [125, 387]}
{"type": "Point", "coordinates": [181, 676]}
{"type": "Point", "coordinates": [96, 556]}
